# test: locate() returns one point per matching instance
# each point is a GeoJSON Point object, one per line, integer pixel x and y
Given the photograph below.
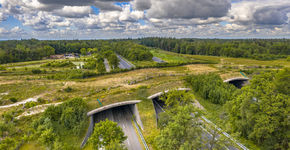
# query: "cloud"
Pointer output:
{"type": "Point", "coordinates": [141, 4]}
{"type": "Point", "coordinates": [101, 4]}
{"type": "Point", "coordinates": [180, 18]}
{"type": "Point", "coordinates": [74, 11]}
{"type": "Point", "coordinates": [109, 19]}
{"type": "Point", "coordinates": [188, 8]}
{"type": "Point", "coordinates": [276, 15]}
{"type": "Point", "coordinates": [266, 13]}
{"type": "Point", "coordinates": [3, 16]}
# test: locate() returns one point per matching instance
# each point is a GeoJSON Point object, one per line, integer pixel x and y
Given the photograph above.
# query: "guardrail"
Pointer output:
{"type": "Point", "coordinates": [140, 134]}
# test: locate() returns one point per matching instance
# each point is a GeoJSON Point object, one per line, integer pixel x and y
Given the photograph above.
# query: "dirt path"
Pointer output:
{"type": "Point", "coordinates": [36, 110]}
{"type": "Point", "coordinates": [198, 105]}
{"type": "Point", "coordinates": [33, 99]}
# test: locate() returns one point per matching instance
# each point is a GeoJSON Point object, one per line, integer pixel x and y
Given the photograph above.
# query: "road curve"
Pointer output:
{"type": "Point", "coordinates": [123, 64]}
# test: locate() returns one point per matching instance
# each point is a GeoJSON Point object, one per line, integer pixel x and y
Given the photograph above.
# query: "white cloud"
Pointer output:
{"type": "Point", "coordinates": [181, 18]}
{"type": "Point", "coordinates": [74, 11]}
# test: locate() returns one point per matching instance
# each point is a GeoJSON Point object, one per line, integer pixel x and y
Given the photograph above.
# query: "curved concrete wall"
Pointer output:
{"type": "Point", "coordinates": [112, 106]}
{"type": "Point", "coordinates": [166, 91]}
{"type": "Point", "coordinates": [237, 78]}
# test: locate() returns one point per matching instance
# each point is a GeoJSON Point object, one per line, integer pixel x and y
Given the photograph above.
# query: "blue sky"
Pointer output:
{"type": "Point", "coordinates": [96, 19]}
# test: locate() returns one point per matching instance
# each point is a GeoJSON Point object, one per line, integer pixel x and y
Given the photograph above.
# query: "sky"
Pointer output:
{"type": "Point", "coordinates": [112, 19]}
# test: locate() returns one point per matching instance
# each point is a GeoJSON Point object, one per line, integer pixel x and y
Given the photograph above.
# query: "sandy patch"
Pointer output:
{"type": "Point", "coordinates": [198, 68]}
{"type": "Point", "coordinates": [36, 110]}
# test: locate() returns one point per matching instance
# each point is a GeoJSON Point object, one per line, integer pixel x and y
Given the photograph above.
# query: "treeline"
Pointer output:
{"type": "Point", "coordinates": [27, 50]}
{"type": "Point", "coordinates": [211, 87]}
{"type": "Point", "coordinates": [261, 49]}
{"type": "Point", "coordinates": [132, 51]}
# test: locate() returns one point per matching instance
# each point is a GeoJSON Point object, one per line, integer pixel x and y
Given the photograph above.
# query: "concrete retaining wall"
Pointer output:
{"type": "Point", "coordinates": [135, 112]}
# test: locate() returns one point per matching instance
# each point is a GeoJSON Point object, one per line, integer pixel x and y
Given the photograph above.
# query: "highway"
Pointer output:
{"type": "Point", "coordinates": [156, 59]}
{"type": "Point", "coordinates": [123, 64]}
{"type": "Point", "coordinates": [123, 116]}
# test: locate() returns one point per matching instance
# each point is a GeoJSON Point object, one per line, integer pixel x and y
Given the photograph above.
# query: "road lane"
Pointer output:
{"type": "Point", "coordinates": [123, 64]}
{"type": "Point", "coordinates": [106, 62]}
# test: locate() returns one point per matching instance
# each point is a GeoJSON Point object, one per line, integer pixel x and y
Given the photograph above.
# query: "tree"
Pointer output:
{"type": "Point", "coordinates": [282, 81]}
{"type": "Point", "coordinates": [47, 137]}
{"type": "Point", "coordinates": [84, 51]}
{"type": "Point", "coordinates": [115, 146]}
{"type": "Point", "coordinates": [176, 98]}
{"type": "Point", "coordinates": [100, 65]}
{"type": "Point", "coordinates": [114, 61]}
{"type": "Point", "coordinates": [48, 50]}
{"type": "Point", "coordinates": [182, 130]}
{"type": "Point", "coordinates": [105, 133]}
{"type": "Point", "coordinates": [211, 87]}
{"type": "Point", "coordinates": [261, 113]}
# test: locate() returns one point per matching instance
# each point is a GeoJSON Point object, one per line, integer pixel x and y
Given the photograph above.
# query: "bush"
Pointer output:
{"type": "Point", "coordinates": [13, 99]}
{"type": "Point", "coordinates": [2, 68]}
{"type": "Point", "coordinates": [68, 89]}
{"type": "Point", "coordinates": [59, 64]}
{"type": "Point", "coordinates": [36, 71]}
{"type": "Point", "coordinates": [30, 104]}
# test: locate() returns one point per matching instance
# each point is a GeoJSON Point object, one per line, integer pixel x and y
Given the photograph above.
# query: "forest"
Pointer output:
{"type": "Point", "coordinates": [260, 49]}
{"type": "Point", "coordinates": [33, 49]}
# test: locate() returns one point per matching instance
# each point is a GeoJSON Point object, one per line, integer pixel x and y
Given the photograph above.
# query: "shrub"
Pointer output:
{"type": "Point", "coordinates": [59, 64]}
{"type": "Point", "coordinates": [2, 68]}
{"type": "Point", "coordinates": [68, 89]}
{"type": "Point", "coordinates": [13, 99]}
{"type": "Point", "coordinates": [36, 71]}
{"type": "Point", "coordinates": [30, 104]}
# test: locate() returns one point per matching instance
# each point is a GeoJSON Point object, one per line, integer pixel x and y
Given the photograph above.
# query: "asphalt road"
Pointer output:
{"type": "Point", "coordinates": [122, 115]}
{"type": "Point", "coordinates": [106, 62]}
{"type": "Point", "coordinates": [156, 59]}
{"type": "Point", "coordinates": [123, 64]}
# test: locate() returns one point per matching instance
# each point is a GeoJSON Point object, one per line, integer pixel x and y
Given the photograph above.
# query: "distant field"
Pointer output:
{"type": "Point", "coordinates": [170, 57]}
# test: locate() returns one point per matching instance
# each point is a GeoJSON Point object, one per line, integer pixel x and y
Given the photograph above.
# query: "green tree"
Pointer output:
{"type": "Point", "coordinates": [48, 50]}
{"type": "Point", "coordinates": [182, 130]}
{"type": "Point", "coordinates": [282, 81]}
{"type": "Point", "coordinates": [115, 146]}
{"type": "Point", "coordinates": [261, 113]}
{"type": "Point", "coordinates": [84, 51]}
{"type": "Point", "coordinates": [105, 133]}
{"type": "Point", "coordinates": [176, 98]}
{"type": "Point", "coordinates": [100, 65]}
{"type": "Point", "coordinates": [47, 137]}
{"type": "Point", "coordinates": [114, 61]}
